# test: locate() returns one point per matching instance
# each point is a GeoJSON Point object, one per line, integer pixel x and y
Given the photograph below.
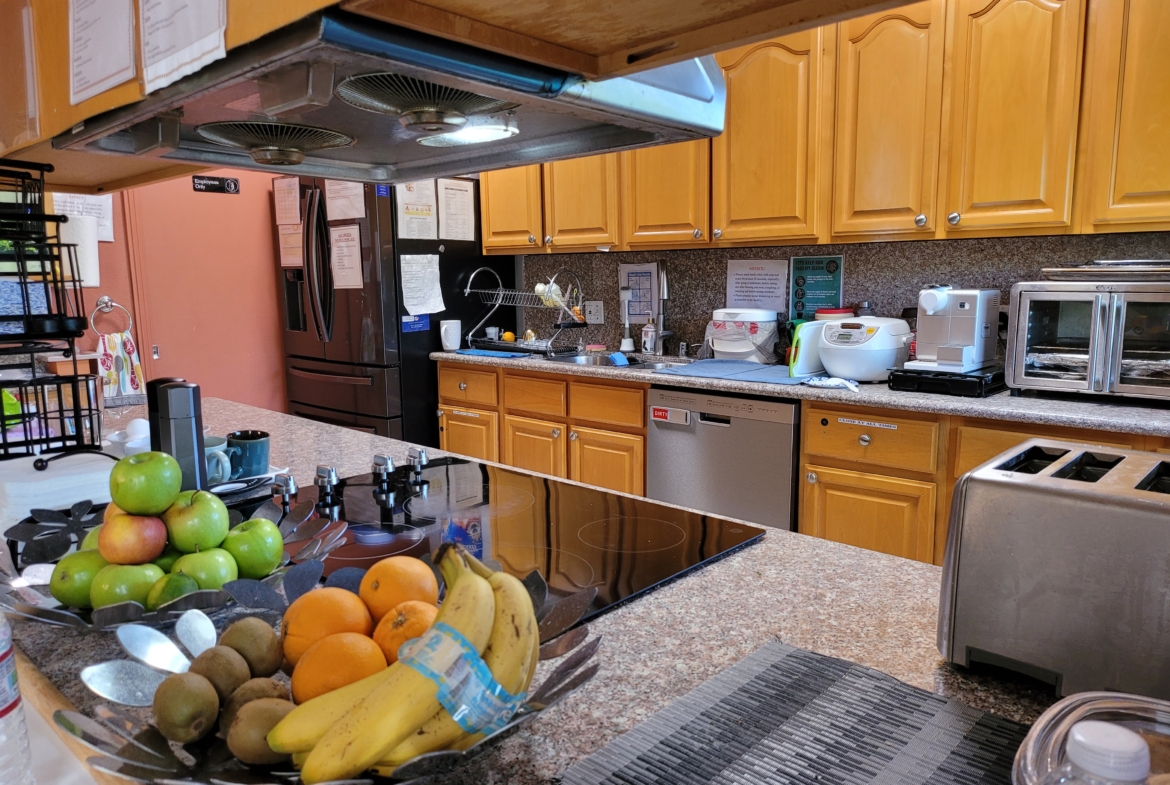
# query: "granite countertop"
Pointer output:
{"type": "Point", "coordinates": [1117, 415]}
{"type": "Point", "coordinates": [876, 610]}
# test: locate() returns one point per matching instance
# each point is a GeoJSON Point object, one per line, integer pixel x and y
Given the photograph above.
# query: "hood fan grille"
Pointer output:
{"type": "Point", "coordinates": [273, 143]}
{"type": "Point", "coordinates": [420, 106]}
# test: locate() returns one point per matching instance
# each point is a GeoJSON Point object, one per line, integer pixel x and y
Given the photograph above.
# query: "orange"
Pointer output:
{"type": "Point", "coordinates": [395, 580]}
{"type": "Point", "coordinates": [333, 662]}
{"type": "Point", "coordinates": [408, 620]}
{"type": "Point", "coordinates": [322, 612]}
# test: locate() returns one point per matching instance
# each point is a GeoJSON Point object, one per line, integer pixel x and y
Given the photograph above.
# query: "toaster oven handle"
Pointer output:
{"type": "Point", "coordinates": [1113, 360]}
{"type": "Point", "coordinates": [1101, 355]}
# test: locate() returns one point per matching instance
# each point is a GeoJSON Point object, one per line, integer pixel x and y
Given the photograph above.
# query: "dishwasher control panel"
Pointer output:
{"type": "Point", "coordinates": [670, 406]}
{"type": "Point", "coordinates": [667, 414]}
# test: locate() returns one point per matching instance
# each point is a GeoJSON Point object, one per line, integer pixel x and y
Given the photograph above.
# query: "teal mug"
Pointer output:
{"type": "Point", "coordinates": [251, 458]}
{"type": "Point", "coordinates": [218, 456]}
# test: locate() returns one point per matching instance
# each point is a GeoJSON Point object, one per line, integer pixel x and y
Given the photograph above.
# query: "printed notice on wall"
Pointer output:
{"type": "Point", "coordinates": [286, 192]}
{"type": "Point", "coordinates": [101, 46]}
{"type": "Point", "coordinates": [179, 37]}
{"type": "Point", "coordinates": [344, 200]}
{"type": "Point", "coordinates": [292, 251]}
{"type": "Point", "coordinates": [758, 283]}
{"type": "Point", "coordinates": [642, 279]}
{"type": "Point", "coordinates": [817, 282]}
{"type": "Point", "coordinates": [418, 213]}
{"type": "Point", "coordinates": [100, 207]}
{"type": "Point", "coordinates": [456, 210]}
{"type": "Point", "coordinates": [420, 284]}
{"type": "Point", "coordinates": [345, 258]}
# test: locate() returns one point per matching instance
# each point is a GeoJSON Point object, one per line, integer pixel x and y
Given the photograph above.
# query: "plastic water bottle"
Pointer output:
{"type": "Point", "coordinates": [15, 757]}
{"type": "Point", "coordinates": [1102, 753]}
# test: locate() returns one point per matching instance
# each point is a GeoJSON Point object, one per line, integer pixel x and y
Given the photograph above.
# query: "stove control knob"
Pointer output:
{"type": "Point", "coordinates": [383, 465]}
{"type": "Point", "coordinates": [326, 476]}
{"type": "Point", "coordinates": [417, 457]}
{"type": "Point", "coordinates": [284, 484]}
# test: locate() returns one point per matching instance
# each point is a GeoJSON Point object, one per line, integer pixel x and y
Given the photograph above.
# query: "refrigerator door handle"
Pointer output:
{"type": "Point", "coordinates": [337, 378]}
{"type": "Point", "coordinates": [309, 259]}
{"type": "Point", "coordinates": [325, 268]}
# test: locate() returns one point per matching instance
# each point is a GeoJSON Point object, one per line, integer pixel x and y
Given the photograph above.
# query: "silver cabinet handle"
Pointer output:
{"type": "Point", "coordinates": [532, 238]}
{"type": "Point", "coordinates": [462, 385]}
{"type": "Point", "coordinates": [920, 219]}
{"type": "Point", "coordinates": [811, 477]}
{"type": "Point", "coordinates": [572, 436]}
{"type": "Point", "coordinates": [698, 233]}
{"type": "Point", "coordinates": [556, 433]}
{"type": "Point", "coordinates": [864, 440]}
{"type": "Point", "coordinates": [717, 233]}
{"type": "Point", "coordinates": [548, 239]}
{"type": "Point", "coordinates": [954, 218]}
{"type": "Point", "coordinates": [439, 413]}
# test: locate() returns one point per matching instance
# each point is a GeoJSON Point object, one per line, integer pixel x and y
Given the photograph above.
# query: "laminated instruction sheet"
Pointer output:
{"type": "Point", "coordinates": [346, 256]}
{"type": "Point", "coordinates": [179, 38]}
{"type": "Point", "coordinates": [817, 282]}
{"type": "Point", "coordinates": [418, 211]}
{"type": "Point", "coordinates": [757, 283]}
{"type": "Point", "coordinates": [101, 46]}
{"type": "Point", "coordinates": [643, 282]}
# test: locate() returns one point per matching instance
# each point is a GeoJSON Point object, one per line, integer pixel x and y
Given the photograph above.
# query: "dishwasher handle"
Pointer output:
{"type": "Point", "coordinates": [714, 419]}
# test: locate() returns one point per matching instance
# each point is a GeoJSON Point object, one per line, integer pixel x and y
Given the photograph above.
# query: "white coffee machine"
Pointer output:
{"type": "Point", "coordinates": [958, 329]}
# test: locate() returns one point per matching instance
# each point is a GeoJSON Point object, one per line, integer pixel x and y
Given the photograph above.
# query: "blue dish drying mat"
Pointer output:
{"type": "Point", "coordinates": [490, 353]}
{"type": "Point", "coordinates": [738, 370]}
{"type": "Point", "coordinates": [785, 716]}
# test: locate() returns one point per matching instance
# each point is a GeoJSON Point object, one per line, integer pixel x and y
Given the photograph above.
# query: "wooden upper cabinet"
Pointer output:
{"type": "Point", "coordinates": [889, 103]}
{"type": "Point", "coordinates": [1128, 116]}
{"type": "Point", "coordinates": [666, 195]}
{"type": "Point", "coordinates": [510, 201]}
{"type": "Point", "coordinates": [764, 165]}
{"type": "Point", "coordinates": [1014, 91]}
{"type": "Point", "coordinates": [581, 202]}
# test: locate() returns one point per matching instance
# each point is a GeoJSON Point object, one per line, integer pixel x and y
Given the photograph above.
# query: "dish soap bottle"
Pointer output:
{"type": "Point", "coordinates": [1102, 753]}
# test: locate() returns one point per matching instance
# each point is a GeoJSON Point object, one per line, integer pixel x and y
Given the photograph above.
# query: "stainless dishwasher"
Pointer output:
{"type": "Point", "coordinates": [727, 456]}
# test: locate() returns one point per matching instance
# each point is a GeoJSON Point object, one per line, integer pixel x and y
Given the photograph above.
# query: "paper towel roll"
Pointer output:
{"type": "Point", "coordinates": [82, 231]}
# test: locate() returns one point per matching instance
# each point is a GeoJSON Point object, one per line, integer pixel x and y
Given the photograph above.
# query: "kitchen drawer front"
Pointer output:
{"type": "Point", "coordinates": [979, 445]}
{"type": "Point", "coordinates": [610, 405]}
{"type": "Point", "coordinates": [540, 396]}
{"type": "Point", "coordinates": [873, 439]}
{"type": "Point", "coordinates": [374, 392]}
{"type": "Point", "coordinates": [467, 386]}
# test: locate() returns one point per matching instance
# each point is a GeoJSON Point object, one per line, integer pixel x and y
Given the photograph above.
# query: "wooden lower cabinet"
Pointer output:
{"type": "Point", "coordinates": [887, 514]}
{"type": "Point", "coordinates": [608, 460]}
{"type": "Point", "coordinates": [469, 432]}
{"type": "Point", "coordinates": [535, 445]}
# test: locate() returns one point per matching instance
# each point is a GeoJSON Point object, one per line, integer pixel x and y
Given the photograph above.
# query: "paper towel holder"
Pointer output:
{"type": "Point", "coordinates": [106, 304]}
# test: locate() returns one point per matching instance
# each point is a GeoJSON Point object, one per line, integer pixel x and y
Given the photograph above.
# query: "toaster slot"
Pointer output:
{"type": "Point", "coordinates": [1158, 480]}
{"type": "Point", "coordinates": [1032, 460]}
{"type": "Point", "coordinates": [1088, 467]}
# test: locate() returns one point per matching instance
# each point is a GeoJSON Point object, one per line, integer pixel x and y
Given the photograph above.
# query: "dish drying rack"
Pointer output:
{"type": "Point", "coordinates": [568, 301]}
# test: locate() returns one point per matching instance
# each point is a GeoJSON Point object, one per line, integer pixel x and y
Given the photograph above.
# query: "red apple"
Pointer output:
{"type": "Point", "coordinates": [132, 539]}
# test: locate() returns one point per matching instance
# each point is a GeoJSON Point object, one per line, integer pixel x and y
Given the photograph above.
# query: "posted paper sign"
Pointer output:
{"type": "Point", "coordinates": [418, 210]}
{"type": "Point", "coordinates": [817, 282]}
{"type": "Point", "coordinates": [101, 208]}
{"type": "Point", "coordinates": [286, 192]}
{"type": "Point", "coordinates": [420, 284]}
{"type": "Point", "coordinates": [345, 258]}
{"type": "Point", "coordinates": [291, 245]}
{"type": "Point", "coordinates": [456, 210]}
{"type": "Point", "coordinates": [643, 282]}
{"type": "Point", "coordinates": [759, 283]}
{"type": "Point", "coordinates": [180, 37]}
{"type": "Point", "coordinates": [101, 46]}
{"type": "Point", "coordinates": [344, 200]}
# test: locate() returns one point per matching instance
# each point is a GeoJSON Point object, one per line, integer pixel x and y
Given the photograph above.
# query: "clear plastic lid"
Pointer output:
{"type": "Point", "coordinates": [1109, 751]}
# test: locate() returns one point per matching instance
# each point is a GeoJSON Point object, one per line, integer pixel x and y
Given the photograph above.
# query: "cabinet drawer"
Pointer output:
{"type": "Point", "coordinates": [542, 396]}
{"type": "Point", "coordinates": [459, 384]}
{"type": "Point", "coordinates": [979, 445]}
{"type": "Point", "coordinates": [611, 405]}
{"type": "Point", "coordinates": [873, 439]}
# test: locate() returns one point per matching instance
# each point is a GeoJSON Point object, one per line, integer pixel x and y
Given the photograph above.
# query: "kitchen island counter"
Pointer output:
{"type": "Point", "coordinates": [876, 610]}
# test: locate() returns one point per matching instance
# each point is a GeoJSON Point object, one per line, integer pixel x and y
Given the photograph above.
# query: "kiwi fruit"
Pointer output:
{"type": "Point", "coordinates": [257, 643]}
{"type": "Point", "coordinates": [252, 689]}
{"type": "Point", "coordinates": [224, 668]}
{"type": "Point", "coordinates": [185, 707]}
{"type": "Point", "coordinates": [247, 738]}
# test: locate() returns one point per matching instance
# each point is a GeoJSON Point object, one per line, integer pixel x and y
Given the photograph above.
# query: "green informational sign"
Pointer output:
{"type": "Point", "coordinates": [815, 282]}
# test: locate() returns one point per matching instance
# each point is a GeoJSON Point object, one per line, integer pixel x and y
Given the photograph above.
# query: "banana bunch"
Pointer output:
{"type": "Point", "coordinates": [393, 716]}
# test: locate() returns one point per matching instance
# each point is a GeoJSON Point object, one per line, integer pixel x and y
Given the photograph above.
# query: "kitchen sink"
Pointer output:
{"type": "Point", "coordinates": [659, 366]}
{"type": "Point", "coordinates": [603, 359]}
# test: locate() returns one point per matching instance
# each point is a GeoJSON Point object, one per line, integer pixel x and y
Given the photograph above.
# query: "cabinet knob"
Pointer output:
{"type": "Point", "coordinates": [698, 233]}
{"type": "Point", "coordinates": [532, 238]}
{"type": "Point", "coordinates": [572, 436]}
{"type": "Point", "coordinates": [717, 233]}
{"type": "Point", "coordinates": [462, 385]}
{"type": "Point", "coordinates": [556, 433]}
{"type": "Point", "coordinates": [811, 477]}
{"type": "Point", "coordinates": [920, 219]}
{"type": "Point", "coordinates": [864, 440]}
{"type": "Point", "coordinates": [548, 239]}
{"type": "Point", "coordinates": [439, 413]}
{"type": "Point", "coordinates": [954, 218]}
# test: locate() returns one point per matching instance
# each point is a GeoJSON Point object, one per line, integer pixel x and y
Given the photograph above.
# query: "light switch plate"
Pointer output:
{"type": "Point", "coordinates": [594, 312]}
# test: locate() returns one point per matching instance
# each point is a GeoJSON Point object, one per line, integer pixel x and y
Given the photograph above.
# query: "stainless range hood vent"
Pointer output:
{"type": "Point", "coordinates": [421, 106]}
{"type": "Point", "coordinates": [280, 144]}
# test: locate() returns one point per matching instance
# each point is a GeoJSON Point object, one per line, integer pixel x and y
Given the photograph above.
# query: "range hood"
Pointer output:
{"type": "Point", "coordinates": [340, 96]}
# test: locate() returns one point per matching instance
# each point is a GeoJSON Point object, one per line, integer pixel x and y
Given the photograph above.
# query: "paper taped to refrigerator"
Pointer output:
{"type": "Point", "coordinates": [420, 284]}
{"type": "Point", "coordinates": [456, 210]}
{"type": "Point", "coordinates": [292, 252]}
{"type": "Point", "coordinates": [344, 200]}
{"type": "Point", "coordinates": [346, 256]}
{"type": "Point", "coordinates": [286, 193]}
{"type": "Point", "coordinates": [418, 212]}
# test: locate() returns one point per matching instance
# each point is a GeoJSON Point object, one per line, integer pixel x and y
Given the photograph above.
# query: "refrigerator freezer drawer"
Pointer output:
{"type": "Point", "coordinates": [373, 392]}
{"type": "Point", "coordinates": [381, 426]}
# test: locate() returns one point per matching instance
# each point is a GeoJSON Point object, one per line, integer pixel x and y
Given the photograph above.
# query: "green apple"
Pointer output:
{"type": "Point", "coordinates": [132, 539]}
{"type": "Point", "coordinates": [90, 543]}
{"type": "Point", "coordinates": [73, 576]}
{"type": "Point", "coordinates": [146, 483]}
{"type": "Point", "coordinates": [122, 583]}
{"type": "Point", "coordinates": [196, 521]}
{"type": "Point", "coordinates": [257, 547]}
{"type": "Point", "coordinates": [211, 569]}
{"type": "Point", "coordinates": [167, 561]}
{"type": "Point", "coordinates": [170, 587]}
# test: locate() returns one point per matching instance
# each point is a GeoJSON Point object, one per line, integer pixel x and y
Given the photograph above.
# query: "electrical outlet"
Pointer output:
{"type": "Point", "coordinates": [594, 312]}
{"type": "Point", "coordinates": [154, 351]}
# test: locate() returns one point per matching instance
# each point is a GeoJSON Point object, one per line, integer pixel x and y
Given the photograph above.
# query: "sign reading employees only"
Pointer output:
{"type": "Point", "coordinates": [215, 185]}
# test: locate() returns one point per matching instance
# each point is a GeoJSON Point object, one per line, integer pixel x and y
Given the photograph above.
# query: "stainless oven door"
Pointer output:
{"type": "Point", "coordinates": [1061, 341]}
{"type": "Point", "coordinates": [1140, 344]}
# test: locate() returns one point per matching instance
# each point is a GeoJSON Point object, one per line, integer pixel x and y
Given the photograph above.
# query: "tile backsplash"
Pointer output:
{"type": "Point", "coordinates": [889, 275]}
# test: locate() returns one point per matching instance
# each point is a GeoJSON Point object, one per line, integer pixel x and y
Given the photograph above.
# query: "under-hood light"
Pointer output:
{"type": "Point", "coordinates": [488, 129]}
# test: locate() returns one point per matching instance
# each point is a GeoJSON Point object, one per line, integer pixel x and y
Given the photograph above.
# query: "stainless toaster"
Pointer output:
{"type": "Point", "coordinates": [1058, 566]}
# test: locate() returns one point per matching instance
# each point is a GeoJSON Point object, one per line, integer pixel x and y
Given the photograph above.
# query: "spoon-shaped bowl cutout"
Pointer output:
{"type": "Point", "coordinates": [195, 631]}
{"type": "Point", "coordinates": [122, 681]}
{"type": "Point", "coordinates": [149, 646]}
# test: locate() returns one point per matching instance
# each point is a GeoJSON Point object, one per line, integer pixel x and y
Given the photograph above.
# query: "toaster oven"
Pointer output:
{"type": "Point", "coordinates": [1098, 337]}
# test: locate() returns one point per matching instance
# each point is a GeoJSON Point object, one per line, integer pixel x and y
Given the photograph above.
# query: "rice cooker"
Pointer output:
{"type": "Point", "coordinates": [865, 348]}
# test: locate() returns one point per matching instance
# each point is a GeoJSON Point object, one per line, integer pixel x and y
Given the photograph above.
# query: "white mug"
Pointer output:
{"type": "Point", "coordinates": [492, 333]}
{"type": "Point", "coordinates": [451, 332]}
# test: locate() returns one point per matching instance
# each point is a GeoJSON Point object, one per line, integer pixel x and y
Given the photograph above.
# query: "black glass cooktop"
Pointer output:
{"type": "Point", "coordinates": [576, 537]}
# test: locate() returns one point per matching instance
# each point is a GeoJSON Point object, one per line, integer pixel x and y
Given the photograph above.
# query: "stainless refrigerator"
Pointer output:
{"type": "Point", "coordinates": [351, 359]}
